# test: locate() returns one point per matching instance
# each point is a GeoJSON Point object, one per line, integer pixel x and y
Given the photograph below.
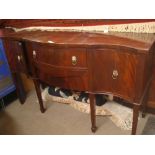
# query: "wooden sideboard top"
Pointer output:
{"type": "Point", "coordinates": [130, 40]}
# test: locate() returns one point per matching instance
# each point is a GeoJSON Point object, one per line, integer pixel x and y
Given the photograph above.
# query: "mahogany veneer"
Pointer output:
{"type": "Point", "coordinates": [119, 63]}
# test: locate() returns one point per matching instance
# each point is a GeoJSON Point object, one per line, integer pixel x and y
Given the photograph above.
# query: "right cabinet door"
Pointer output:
{"type": "Point", "coordinates": [114, 71]}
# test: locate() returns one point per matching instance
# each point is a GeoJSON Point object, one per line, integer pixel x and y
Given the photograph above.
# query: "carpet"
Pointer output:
{"type": "Point", "coordinates": [120, 115]}
{"type": "Point", "coordinates": [149, 128]}
{"type": "Point", "coordinates": [59, 119]}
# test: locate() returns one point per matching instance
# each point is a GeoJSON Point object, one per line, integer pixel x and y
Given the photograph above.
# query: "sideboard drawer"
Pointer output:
{"type": "Point", "coordinates": [65, 67]}
{"type": "Point", "coordinates": [65, 57]}
{"type": "Point", "coordinates": [75, 79]}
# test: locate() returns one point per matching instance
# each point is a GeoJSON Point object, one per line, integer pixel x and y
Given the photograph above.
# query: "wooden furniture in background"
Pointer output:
{"type": "Point", "coordinates": [96, 63]}
{"type": "Point", "coordinates": [22, 23]}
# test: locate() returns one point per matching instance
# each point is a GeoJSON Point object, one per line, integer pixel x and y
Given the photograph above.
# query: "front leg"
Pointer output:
{"type": "Point", "coordinates": [38, 91]}
{"type": "Point", "coordinates": [135, 118]}
{"type": "Point", "coordinates": [19, 87]}
{"type": "Point", "coordinates": [93, 112]}
{"type": "Point", "coordinates": [146, 96]}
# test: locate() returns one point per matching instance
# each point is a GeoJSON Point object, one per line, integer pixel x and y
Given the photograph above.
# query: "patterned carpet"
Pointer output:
{"type": "Point", "coordinates": [119, 114]}
{"type": "Point", "coordinates": [59, 119]}
{"type": "Point", "coordinates": [149, 128]}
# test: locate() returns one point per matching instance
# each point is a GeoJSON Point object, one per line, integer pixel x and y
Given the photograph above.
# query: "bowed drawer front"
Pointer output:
{"type": "Point", "coordinates": [63, 67]}
{"type": "Point", "coordinates": [60, 57]}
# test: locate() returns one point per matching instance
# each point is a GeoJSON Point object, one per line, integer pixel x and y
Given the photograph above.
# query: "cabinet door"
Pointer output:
{"type": "Point", "coordinates": [19, 56]}
{"type": "Point", "coordinates": [114, 71]}
{"type": "Point", "coordinates": [13, 49]}
{"type": "Point", "coordinates": [16, 56]}
{"type": "Point", "coordinates": [125, 65]}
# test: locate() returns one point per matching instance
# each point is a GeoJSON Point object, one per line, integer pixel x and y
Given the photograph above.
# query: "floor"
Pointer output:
{"type": "Point", "coordinates": [59, 119]}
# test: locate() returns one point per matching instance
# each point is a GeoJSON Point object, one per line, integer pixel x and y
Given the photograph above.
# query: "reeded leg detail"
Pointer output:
{"type": "Point", "coordinates": [93, 112]}
{"type": "Point", "coordinates": [38, 91]}
{"type": "Point", "coordinates": [135, 118]}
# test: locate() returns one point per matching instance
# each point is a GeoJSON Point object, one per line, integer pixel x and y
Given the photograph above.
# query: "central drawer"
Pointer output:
{"type": "Point", "coordinates": [65, 67]}
{"type": "Point", "coordinates": [64, 57]}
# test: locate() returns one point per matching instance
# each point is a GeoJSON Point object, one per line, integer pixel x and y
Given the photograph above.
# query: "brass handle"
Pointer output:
{"type": "Point", "coordinates": [19, 43]}
{"type": "Point", "coordinates": [74, 60]}
{"type": "Point", "coordinates": [115, 74]}
{"type": "Point", "coordinates": [19, 58]}
{"type": "Point", "coordinates": [34, 54]}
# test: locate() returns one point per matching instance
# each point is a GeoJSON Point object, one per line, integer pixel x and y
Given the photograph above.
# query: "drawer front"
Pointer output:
{"type": "Point", "coordinates": [63, 67]}
{"type": "Point", "coordinates": [64, 57]}
{"type": "Point", "coordinates": [75, 79]}
{"type": "Point", "coordinates": [114, 72]}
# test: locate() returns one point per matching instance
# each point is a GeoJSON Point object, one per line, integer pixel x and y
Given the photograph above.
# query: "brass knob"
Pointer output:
{"type": "Point", "coordinates": [19, 43]}
{"type": "Point", "coordinates": [19, 58]}
{"type": "Point", "coordinates": [34, 54]}
{"type": "Point", "coordinates": [115, 74]}
{"type": "Point", "coordinates": [74, 60]}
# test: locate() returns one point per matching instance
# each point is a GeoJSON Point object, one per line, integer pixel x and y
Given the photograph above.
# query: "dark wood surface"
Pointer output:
{"type": "Point", "coordinates": [92, 62]}
{"type": "Point", "coordinates": [137, 41]}
{"type": "Point", "coordinates": [21, 23]}
{"type": "Point", "coordinates": [151, 101]}
{"type": "Point", "coordinates": [124, 62]}
{"type": "Point", "coordinates": [93, 111]}
{"type": "Point", "coordinates": [13, 50]}
{"type": "Point", "coordinates": [135, 118]}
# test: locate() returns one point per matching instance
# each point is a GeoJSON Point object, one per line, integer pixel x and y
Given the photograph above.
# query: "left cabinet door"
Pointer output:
{"type": "Point", "coordinates": [16, 56]}
{"type": "Point", "coordinates": [16, 59]}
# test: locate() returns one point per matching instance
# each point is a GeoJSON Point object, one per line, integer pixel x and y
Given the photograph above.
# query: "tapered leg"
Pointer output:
{"type": "Point", "coordinates": [144, 106]}
{"type": "Point", "coordinates": [135, 118]}
{"type": "Point", "coordinates": [38, 91]}
{"type": "Point", "coordinates": [93, 112]}
{"type": "Point", "coordinates": [144, 113]}
{"type": "Point", "coordinates": [19, 87]}
{"type": "Point", "coordinates": [146, 96]}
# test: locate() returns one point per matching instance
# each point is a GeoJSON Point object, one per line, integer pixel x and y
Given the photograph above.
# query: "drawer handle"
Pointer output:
{"type": "Point", "coordinates": [19, 43]}
{"type": "Point", "coordinates": [34, 54]}
{"type": "Point", "coordinates": [19, 58]}
{"type": "Point", "coordinates": [115, 74]}
{"type": "Point", "coordinates": [74, 60]}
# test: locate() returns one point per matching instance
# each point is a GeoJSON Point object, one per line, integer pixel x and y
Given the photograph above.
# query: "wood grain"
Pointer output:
{"type": "Point", "coordinates": [105, 64]}
{"type": "Point", "coordinates": [21, 23]}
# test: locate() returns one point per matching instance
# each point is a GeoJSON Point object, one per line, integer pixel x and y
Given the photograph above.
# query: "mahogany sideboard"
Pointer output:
{"type": "Point", "coordinates": [115, 63]}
